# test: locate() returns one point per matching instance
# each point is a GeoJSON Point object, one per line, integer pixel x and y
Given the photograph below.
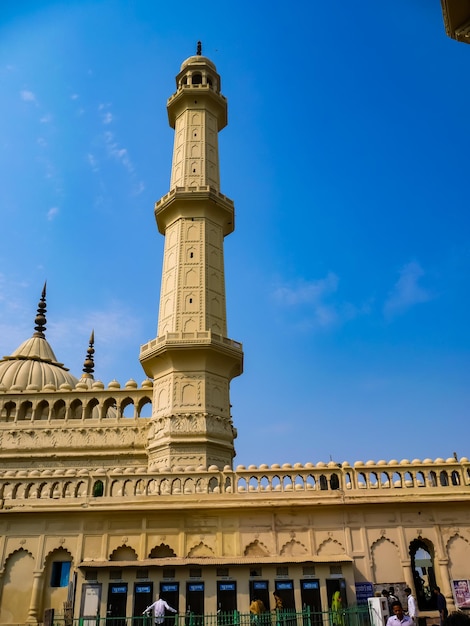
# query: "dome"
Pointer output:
{"type": "Point", "coordinates": [34, 363]}
{"type": "Point", "coordinates": [197, 60]}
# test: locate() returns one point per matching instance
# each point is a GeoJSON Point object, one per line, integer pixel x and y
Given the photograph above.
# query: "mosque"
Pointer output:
{"type": "Point", "coordinates": [112, 494]}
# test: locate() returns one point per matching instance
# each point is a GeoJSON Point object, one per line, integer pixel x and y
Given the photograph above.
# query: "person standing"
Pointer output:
{"type": "Point", "coordinates": [399, 618]}
{"type": "Point", "coordinates": [412, 606]}
{"type": "Point", "coordinates": [441, 605]}
{"type": "Point", "coordinates": [158, 608]}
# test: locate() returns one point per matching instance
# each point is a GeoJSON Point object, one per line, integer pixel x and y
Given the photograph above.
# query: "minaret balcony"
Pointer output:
{"type": "Point", "coordinates": [206, 99]}
{"type": "Point", "coordinates": [195, 202]}
{"type": "Point", "coordinates": [207, 346]}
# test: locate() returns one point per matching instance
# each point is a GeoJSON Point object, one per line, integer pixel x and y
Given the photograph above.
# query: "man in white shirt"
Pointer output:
{"type": "Point", "coordinates": [159, 607]}
{"type": "Point", "coordinates": [399, 618]}
{"type": "Point", "coordinates": [412, 606]}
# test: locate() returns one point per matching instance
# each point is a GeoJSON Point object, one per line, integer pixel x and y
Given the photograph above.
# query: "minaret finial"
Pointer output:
{"type": "Point", "coordinates": [199, 49]}
{"type": "Point", "coordinates": [40, 319]}
{"type": "Point", "coordinates": [89, 364]}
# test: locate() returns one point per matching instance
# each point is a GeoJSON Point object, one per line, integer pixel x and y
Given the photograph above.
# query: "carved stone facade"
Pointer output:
{"type": "Point", "coordinates": [109, 496]}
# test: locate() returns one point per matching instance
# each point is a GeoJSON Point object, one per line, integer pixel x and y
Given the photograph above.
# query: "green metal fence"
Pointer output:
{"type": "Point", "coordinates": [354, 616]}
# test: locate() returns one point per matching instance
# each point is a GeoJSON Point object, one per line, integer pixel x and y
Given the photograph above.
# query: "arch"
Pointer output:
{"type": "Point", "coordinates": [8, 412]}
{"type": "Point", "coordinates": [196, 78]}
{"type": "Point", "coordinates": [455, 478]}
{"type": "Point", "coordinates": [293, 548]}
{"type": "Point", "coordinates": [80, 489]}
{"type": "Point", "coordinates": [25, 412]}
{"type": "Point", "coordinates": [423, 571]}
{"type": "Point", "coordinates": [334, 482]}
{"type": "Point", "coordinates": [213, 485]}
{"type": "Point", "coordinates": [420, 479]}
{"type": "Point", "coordinates": [58, 410]}
{"type": "Point", "coordinates": [444, 479]}
{"type": "Point", "coordinates": [42, 410]}
{"type": "Point", "coordinates": [385, 481]}
{"type": "Point", "coordinates": [458, 549]}
{"type": "Point", "coordinates": [189, 394]}
{"type": "Point", "coordinates": [163, 551]}
{"type": "Point", "coordinates": [311, 482]}
{"type": "Point", "coordinates": [386, 564]}
{"type": "Point", "coordinates": [67, 489]}
{"type": "Point", "coordinates": [432, 479]}
{"type": "Point", "coordinates": [17, 587]}
{"type": "Point", "coordinates": [123, 553]}
{"type": "Point", "coordinates": [90, 407]}
{"type": "Point", "coordinates": [144, 407]}
{"type": "Point", "coordinates": [361, 480]}
{"type": "Point", "coordinates": [109, 409]}
{"type": "Point", "coordinates": [176, 486]}
{"type": "Point", "coordinates": [139, 489]}
{"type": "Point", "coordinates": [330, 546]}
{"type": "Point", "coordinates": [397, 480]}
{"type": "Point", "coordinates": [188, 486]}
{"type": "Point", "coordinates": [57, 568]}
{"type": "Point", "coordinates": [76, 409]}
{"type": "Point", "coordinates": [201, 550]}
{"type": "Point", "coordinates": [323, 482]}
{"type": "Point", "coordinates": [287, 484]}
{"type": "Point", "coordinates": [255, 549]}
{"type": "Point", "coordinates": [98, 489]}
{"type": "Point", "coordinates": [128, 408]}
{"type": "Point", "coordinates": [116, 488]}
{"type": "Point", "coordinates": [409, 482]}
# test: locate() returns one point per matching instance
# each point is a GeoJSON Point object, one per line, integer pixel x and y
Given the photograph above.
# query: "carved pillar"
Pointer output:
{"type": "Point", "coordinates": [35, 598]}
{"type": "Point", "coordinates": [444, 579]}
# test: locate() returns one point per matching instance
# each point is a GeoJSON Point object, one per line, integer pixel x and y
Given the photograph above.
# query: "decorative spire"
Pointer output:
{"type": "Point", "coordinates": [40, 320]}
{"type": "Point", "coordinates": [89, 364]}
{"type": "Point", "coordinates": [199, 49]}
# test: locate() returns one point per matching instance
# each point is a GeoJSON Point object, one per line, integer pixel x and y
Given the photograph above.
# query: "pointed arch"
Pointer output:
{"type": "Point", "coordinates": [163, 551]}
{"type": "Point", "coordinates": [256, 548]}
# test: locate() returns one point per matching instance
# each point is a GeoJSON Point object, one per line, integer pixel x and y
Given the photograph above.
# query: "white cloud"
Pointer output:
{"type": "Point", "coordinates": [27, 96]}
{"type": "Point", "coordinates": [52, 213]}
{"type": "Point", "coordinates": [74, 96]}
{"type": "Point", "coordinates": [107, 118]}
{"type": "Point", "coordinates": [407, 291]}
{"type": "Point", "coordinates": [304, 292]}
{"type": "Point", "coordinates": [312, 296]}
{"type": "Point", "coordinates": [45, 119]}
{"type": "Point", "coordinates": [117, 152]}
{"type": "Point", "coordinates": [93, 162]}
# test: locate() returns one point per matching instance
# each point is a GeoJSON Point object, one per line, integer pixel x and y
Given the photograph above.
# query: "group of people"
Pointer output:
{"type": "Point", "coordinates": [397, 614]}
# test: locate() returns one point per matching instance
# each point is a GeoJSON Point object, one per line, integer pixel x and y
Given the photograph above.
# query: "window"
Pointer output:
{"type": "Point", "coordinates": [335, 570]}
{"type": "Point", "coordinates": [256, 571]}
{"type": "Point", "coordinates": [195, 572]}
{"type": "Point", "coordinates": [282, 571]}
{"type": "Point", "coordinates": [91, 574]}
{"type": "Point", "coordinates": [222, 572]}
{"type": "Point", "coordinates": [98, 489]}
{"type": "Point", "coordinates": [169, 572]}
{"type": "Point", "coordinates": [115, 574]}
{"type": "Point", "coordinates": [142, 572]}
{"type": "Point", "coordinates": [60, 573]}
{"type": "Point", "coordinates": [308, 570]}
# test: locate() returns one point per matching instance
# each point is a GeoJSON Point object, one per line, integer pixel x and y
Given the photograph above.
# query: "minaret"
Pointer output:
{"type": "Point", "coordinates": [191, 360]}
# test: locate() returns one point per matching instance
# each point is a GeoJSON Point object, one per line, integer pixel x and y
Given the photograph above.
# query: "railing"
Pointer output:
{"type": "Point", "coordinates": [354, 616]}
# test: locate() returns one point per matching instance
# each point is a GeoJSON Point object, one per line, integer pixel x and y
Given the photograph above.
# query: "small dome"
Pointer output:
{"type": "Point", "coordinates": [34, 363]}
{"type": "Point", "coordinates": [131, 384]}
{"type": "Point", "coordinates": [114, 385]}
{"type": "Point", "coordinates": [147, 384]}
{"type": "Point", "coordinates": [197, 60]}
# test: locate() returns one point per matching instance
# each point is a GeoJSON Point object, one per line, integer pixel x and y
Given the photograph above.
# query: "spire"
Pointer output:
{"type": "Point", "coordinates": [199, 49]}
{"type": "Point", "coordinates": [40, 320]}
{"type": "Point", "coordinates": [89, 364]}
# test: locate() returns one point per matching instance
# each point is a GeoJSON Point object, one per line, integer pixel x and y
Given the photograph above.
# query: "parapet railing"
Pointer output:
{"type": "Point", "coordinates": [323, 480]}
{"type": "Point", "coordinates": [354, 616]}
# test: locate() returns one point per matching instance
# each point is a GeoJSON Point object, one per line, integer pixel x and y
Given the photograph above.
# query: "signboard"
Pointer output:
{"type": "Point", "coordinates": [118, 588]}
{"type": "Point", "coordinates": [226, 586]}
{"type": "Point", "coordinates": [196, 587]}
{"type": "Point", "coordinates": [364, 591]}
{"type": "Point", "coordinates": [167, 588]}
{"type": "Point", "coordinates": [461, 591]}
{"type": "Point", "coordinates": [310, 584]}
{"type": "Point", "coordinates": [281, 585]}
{"type": "Point", "coordinates": [143, 589]}
{"type": "Point", "coordinates": [263, 584]}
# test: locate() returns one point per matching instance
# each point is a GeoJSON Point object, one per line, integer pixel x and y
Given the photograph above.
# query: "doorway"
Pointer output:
{"type": "Point", "coordinates": [170, 592]}
{"type": "Point", "coordinates": [194, 604]}
{"type": "Point", "coordinates": [259, 590]}
{"type": "Point", "coordinates": [143, 597]}
{"type": "Point", "coordinates": [311, 601]}
{"type": "Point", "coordinates": [117, 601]}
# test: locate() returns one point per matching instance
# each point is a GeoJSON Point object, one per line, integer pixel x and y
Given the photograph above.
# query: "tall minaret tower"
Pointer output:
{"type": "Point", "coordinates": [191, 360]}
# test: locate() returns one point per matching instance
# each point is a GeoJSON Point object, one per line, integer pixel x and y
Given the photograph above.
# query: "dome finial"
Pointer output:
{"type": "Point", "coordinates": [199, 49]}
{"type": "Point", "coordinates": [89, 364]}
{"type": "Point", "coordinates": [40, 319]}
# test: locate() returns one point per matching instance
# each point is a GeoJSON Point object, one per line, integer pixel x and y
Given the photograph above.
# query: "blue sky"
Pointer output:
{"type": "Point", "coordinates": [346, 155]}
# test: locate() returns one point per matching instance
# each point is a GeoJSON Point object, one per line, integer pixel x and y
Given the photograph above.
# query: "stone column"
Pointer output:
{"type": "Point", "coordinates": [35, 598]}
